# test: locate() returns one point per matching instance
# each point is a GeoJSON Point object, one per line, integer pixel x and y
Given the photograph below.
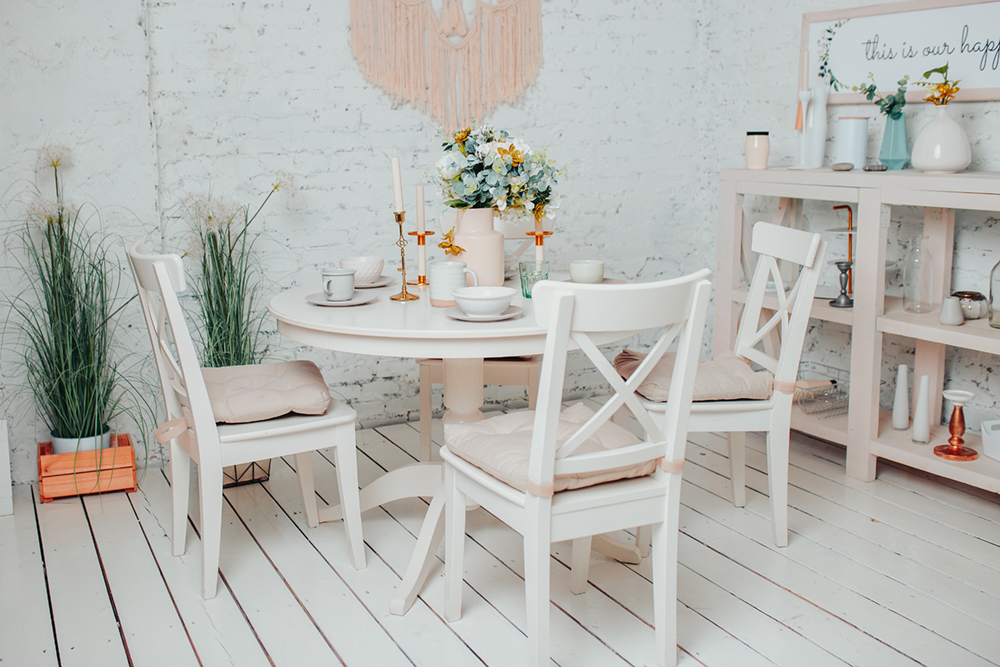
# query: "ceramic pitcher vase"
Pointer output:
{"type": "Point", "coordinates": [942, 147]}
{"type": "Point", "coordinates": [482, 245]}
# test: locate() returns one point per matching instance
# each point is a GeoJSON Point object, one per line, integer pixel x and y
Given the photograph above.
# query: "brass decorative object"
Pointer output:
{"type": "Point", "coordinates": [421, 266]}
{"type": "Point", "coordinates": [956, 450]}
{"type": "Point", "coordinates": [403, 295]}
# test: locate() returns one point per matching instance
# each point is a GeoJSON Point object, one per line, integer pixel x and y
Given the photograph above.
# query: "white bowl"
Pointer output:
{"type": "Point", "coordinates": [484, 301]}
{"type": "Point", "coordinates": [586, 270]}
{"type": "Point", "coordinates": [366, 269]}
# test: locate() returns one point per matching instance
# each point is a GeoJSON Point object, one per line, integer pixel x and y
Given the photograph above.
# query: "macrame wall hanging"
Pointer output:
{"type": "Point", "coordinates": [453, 70]}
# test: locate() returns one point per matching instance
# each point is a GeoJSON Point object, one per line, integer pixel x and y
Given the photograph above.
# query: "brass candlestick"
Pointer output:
{"type": "Point", "coordinates": [403, 295]}
{"type": "Point", "coordinates": [421, 258]}
{"type": "Point", "coordinates": [955, 449]}
{"type": "Point", "coordinates": [539, 241]}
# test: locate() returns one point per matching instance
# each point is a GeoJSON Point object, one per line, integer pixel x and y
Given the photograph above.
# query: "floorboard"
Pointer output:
{"type": "Point", "coordinates": [903, 571]}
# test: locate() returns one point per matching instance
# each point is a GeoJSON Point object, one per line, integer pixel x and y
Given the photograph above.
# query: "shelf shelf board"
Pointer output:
{"type": "Point", "coordinates": [821, 308]}
{"type": "Point", "coordinates": [897, 446]}
{"type": "Point", "coordinates": [831, 429]}
{"type": "Point", "coordinates": [972, 335]}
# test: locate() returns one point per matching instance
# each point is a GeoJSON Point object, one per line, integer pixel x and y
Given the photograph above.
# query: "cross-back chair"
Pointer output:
{"type": "Point", "coordinates": [193, 434]}
{"type": "Point", "coordinates": [555, 476]}
{"type": "Point", "coordinates": [757, 323]}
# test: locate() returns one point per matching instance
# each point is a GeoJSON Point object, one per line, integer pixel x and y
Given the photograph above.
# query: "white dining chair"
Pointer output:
{"type": "Point", "coordinates": [555, 476]}
{"type": "Point", "coordinates": [192, 412]}
{"type": "Point", "coordinates": [771, 415]}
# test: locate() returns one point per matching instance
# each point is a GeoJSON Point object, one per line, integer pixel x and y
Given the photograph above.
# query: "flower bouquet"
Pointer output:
{"type": "Point", "coordinates": [482, 171]}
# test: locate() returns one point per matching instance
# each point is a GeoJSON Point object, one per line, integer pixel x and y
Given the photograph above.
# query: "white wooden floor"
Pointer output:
{"type": "Point", "coordinates": [902, 571]}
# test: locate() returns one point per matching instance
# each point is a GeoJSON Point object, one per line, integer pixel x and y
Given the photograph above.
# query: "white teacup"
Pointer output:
{"type": "Point", "coordinates": [586, 270]}
{"type": "Point", "coordinates": [338, 284]}
{"type": "Point", "coordinates": [445, 277]}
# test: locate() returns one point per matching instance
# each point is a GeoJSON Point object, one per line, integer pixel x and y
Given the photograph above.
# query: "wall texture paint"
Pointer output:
{"type": "Point", "coordinates": [644, 101]}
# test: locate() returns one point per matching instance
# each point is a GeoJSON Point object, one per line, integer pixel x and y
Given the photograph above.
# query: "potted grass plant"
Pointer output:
{"type": "Point", "coordinates": [228, 287]}
{"type": "Point", "coordinates": [66, 321]}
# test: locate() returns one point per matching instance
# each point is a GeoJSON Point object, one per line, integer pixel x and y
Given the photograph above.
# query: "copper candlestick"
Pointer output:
{"type": "Point", "coordinates": [539, 240]}
{"type": "Point", "coordinates": [955, 450]}
{"type": "Point", "coordinates": [421, 270]}
{"type": "Point", "coordinates": [403, 295]}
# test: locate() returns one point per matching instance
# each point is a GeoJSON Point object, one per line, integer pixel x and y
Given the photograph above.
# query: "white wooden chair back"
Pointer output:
{"type": "Point", "coordinates": [791, 319]}
{"type": "Point", "coordinates": [580, 313]}
{"type": "Point", "coordinates": [158, 279]}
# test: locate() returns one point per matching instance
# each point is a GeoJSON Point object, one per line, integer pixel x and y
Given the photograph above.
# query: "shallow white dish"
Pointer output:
{"type": "Point", "coordinates": [319, 299]}
{"type": "Point", "coordinates": [382, 281]}
{"type": "Point", "coordinates": [457, 313]}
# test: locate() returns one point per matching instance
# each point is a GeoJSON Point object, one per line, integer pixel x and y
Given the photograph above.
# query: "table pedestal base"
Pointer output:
{"type": "Point", "coordinates": [463, 390]}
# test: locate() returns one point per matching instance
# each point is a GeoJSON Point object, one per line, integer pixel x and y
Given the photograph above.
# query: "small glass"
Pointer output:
{"type": "Point", "coordinates": [531, 273]}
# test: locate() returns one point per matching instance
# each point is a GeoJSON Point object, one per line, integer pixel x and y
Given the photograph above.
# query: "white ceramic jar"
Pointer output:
{"type": "Point", "coordinates": [758, 145]}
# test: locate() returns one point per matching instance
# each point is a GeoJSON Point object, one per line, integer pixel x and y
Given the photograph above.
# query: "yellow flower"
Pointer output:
{"type": "Point", "coordinates": [461, 135]}
{"type": "Point", "coordinates": [942, 93]}
{"type": "Point", "coordinates": [448, 244]}
{"type": "Point", "coordinates": [516, 156]}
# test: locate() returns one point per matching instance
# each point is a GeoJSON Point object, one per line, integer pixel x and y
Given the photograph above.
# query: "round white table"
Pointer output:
{"type": "Point", "coordinates": [416, 329]}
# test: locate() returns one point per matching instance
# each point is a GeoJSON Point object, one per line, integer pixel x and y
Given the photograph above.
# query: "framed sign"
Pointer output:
{"type": "Point", "coordinates": [904, 38]}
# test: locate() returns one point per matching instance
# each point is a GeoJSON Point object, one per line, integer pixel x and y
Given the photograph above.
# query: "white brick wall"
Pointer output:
{"type": "Point", "coordinates": [645, 101]}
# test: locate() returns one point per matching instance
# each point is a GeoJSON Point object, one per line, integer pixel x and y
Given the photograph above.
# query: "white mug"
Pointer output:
{"type": "Point", "coordinates": [338, 284]}
{"type": "Point", "coordinates": [445, 277]}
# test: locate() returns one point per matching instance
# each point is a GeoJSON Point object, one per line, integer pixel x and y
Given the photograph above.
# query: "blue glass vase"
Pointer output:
{"type": "Point", "coordinates": [895, 152]}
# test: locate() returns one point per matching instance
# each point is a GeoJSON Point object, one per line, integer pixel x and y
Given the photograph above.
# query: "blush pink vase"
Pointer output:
{"type": "Point", "coordinates": [483, 245]}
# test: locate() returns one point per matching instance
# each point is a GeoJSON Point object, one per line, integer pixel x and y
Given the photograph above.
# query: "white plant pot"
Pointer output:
{"type": "Point", "coordinates": [942, 146]}
{"type": "Point", "coordinates": [73, 445]}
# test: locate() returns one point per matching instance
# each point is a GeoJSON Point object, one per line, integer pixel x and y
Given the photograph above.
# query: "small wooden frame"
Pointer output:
{"type": "Point", "coordinates": [81, 473]}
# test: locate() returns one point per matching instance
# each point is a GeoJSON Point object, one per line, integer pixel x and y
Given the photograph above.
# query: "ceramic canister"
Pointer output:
{"type": "Point", "coordinates": [446, 277]}
{"type": "Point", "coordinates": [852, 140]}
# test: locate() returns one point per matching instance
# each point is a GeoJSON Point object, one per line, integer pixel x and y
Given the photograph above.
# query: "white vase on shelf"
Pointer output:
{"type": "Point", "coordinates": [942, 147]}
{"type": "Point", "coordinates": [901, 404]}
{"type": "Point", "coordinates": [921, 412]}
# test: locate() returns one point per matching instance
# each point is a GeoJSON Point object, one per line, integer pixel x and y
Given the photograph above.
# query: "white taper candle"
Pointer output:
{"type": "Point", "coordinates": [397, 185]}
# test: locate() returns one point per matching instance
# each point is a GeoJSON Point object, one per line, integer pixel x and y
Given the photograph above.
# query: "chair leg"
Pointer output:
{"type": "Point", "coordinates": [346, 458]}
{"type": "Point", "coordinates": [643, 540]}
{"type": "Point", "coordinates": [537, 547]}
{"type": "Point", "coordinates": [210, 503]}
{"type": "Point", "coordinates": [665, 591]}
{"type": "Point", "coordinates": [737, 466]}
{"type": "Point", "coordinates": [580, 565]}
{"type": "Point", "coordinates": [532, 387]}
{"type": "Point", "coordinates": [454, 541]}
{"type": "Point", "coordinates": [180, 490]}
{"type": "Point", "coordinates": [303, 467]}
{"type": "Point", "coordinates": [425, 413]}
{"type": "Point", "coordinates": [777, 482]}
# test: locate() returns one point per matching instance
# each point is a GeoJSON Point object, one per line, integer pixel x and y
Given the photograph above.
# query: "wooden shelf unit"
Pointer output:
{"type": "Point", "coordinates": [866, 430]}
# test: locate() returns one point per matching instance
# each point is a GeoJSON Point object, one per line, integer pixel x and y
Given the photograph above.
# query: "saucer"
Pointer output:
{"type": "Point", "coordinates": [457, 313]}
{"type": "Point", "coordinates": [381, 281]}
{"type": "Point", "coordinates": [606, 281]}
{"type": "Point", "coordinates": [319, 299]}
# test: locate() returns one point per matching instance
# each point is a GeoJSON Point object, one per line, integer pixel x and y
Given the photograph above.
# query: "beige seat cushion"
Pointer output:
{"type": "Point", "coordinates": [725, 377]}
{"type": "Point", "coordinates": [501, 446]}
{"type": "Point", "coordinates": [241, 394]}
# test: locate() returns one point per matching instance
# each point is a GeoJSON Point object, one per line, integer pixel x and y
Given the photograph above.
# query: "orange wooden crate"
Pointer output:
{"type": "Point", "coordinates": [76, 473]}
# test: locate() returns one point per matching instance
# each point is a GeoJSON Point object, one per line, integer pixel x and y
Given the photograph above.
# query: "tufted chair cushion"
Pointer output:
{"type": "Point", "coordinates": [725, 377]}
{"type": "Point", "coordinates": [253, 393]}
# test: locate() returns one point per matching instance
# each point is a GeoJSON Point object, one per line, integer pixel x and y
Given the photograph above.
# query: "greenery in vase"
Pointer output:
{"type": "Point", "coordinates": [485, 168]}
{"type": "Point", "coordinates": [940, 93]}
{"type": "Point", "coordinates": [228, 286]}
{"type": "Point", "coordinates": [67, 316]}
{"type": "Point", "coordinates": [890, 105]}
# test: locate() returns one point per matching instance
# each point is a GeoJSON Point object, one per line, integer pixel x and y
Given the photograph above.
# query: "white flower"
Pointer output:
{"type": "Point", "coordinates": [451, 165]}
{"type": "Point", "coordinates": [52, 157]}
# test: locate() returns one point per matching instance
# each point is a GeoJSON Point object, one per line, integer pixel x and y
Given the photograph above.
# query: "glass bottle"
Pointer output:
{"type": "Point", "coordinates": [918, 276]}
{"type": "Point", "coordinates": [995, 297]}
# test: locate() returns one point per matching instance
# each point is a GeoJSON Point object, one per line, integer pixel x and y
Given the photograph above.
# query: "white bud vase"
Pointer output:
{"type": "Point", "coordinates": [921, 412]}
{"type": "Point", "coordinates": [901, 404]}
{"type": "Point", "coordinates": [942, 147]}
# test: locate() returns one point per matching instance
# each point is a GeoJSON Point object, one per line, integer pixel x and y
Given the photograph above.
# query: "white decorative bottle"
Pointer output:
{"type": "Point", "coordinates": [921, 412]}
{"type": "Point", "coordinates": [901, 404]}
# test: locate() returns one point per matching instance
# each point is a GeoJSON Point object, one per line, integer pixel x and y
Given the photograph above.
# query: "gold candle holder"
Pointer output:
{"type": "Point", "coordinates": [539, 241]}
{"type": "Point", "coordinates": [421, 263]}
{"type": "Point", "coordinates": [956, 450]}
{"type": "Point", "coordinates": [403, 295]}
